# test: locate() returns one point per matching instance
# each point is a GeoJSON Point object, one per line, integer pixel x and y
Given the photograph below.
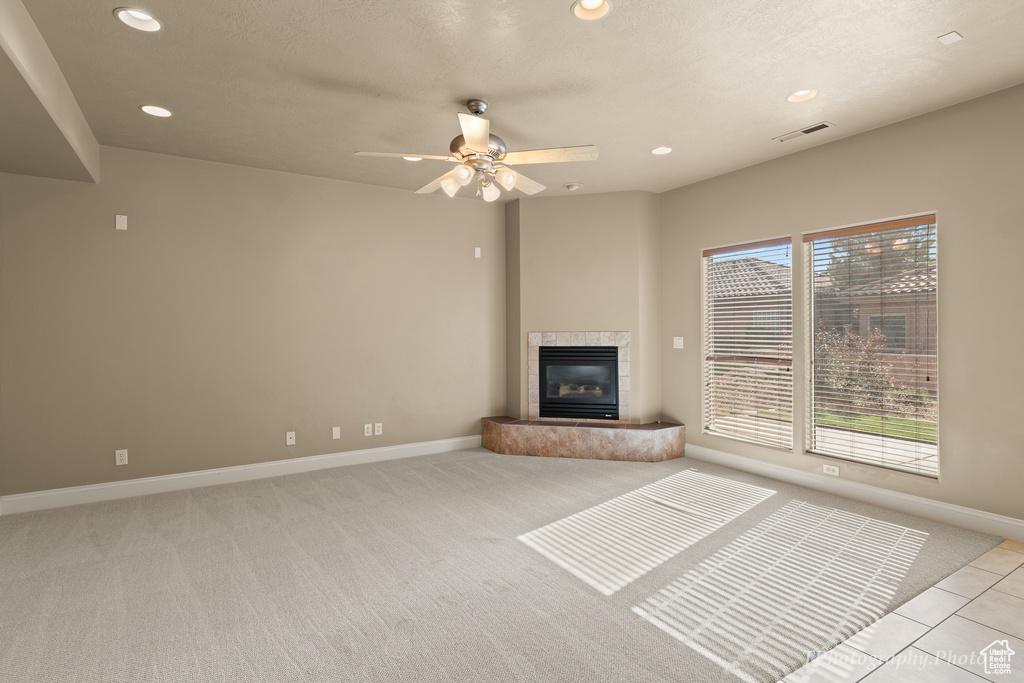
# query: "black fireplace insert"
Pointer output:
{"type": "Point", "coordinates": [579, 382]}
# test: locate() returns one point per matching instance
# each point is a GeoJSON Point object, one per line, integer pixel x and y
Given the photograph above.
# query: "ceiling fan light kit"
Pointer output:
{"type": "Point", "coordinates": [482, 158]}
{"type": "Point", "coordinates": [463, 175]}
{"type": "Point", "coordinates": [450, 186]}
{"type": "Point", "coordinates": [490, 192]}
{"type": "Point", "coordinates": [507, 178]}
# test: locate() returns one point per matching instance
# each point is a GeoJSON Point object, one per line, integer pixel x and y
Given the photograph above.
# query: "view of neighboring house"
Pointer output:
{"type": "Point", "coordinates": [901, 307]}
{"type": "Point", "coordinates": [752, 305]}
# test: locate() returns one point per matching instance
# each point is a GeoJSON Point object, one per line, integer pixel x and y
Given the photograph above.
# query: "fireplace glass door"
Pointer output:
{"type": "Point", "coordinates": [579, 382]}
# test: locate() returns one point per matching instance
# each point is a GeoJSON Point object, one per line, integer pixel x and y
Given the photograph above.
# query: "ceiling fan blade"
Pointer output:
{"type": "Point", "coordinates": [477, 132]}
{"type": "Point", "coordinates": [435, 184]}
{"type": "Point", "coordinates": [399, 155]}
{"type": "Point", "coordinates": [547, 156]}
{"type": "Point", "coordinates": [528, 185]}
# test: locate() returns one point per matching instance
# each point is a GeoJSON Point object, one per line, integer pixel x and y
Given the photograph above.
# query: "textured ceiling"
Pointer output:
{"type": "Point", "coordinates": [300, 85]}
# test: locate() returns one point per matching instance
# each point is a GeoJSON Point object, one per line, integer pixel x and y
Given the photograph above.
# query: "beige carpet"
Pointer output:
{"type": "Point", "coordinates": [463, 566]}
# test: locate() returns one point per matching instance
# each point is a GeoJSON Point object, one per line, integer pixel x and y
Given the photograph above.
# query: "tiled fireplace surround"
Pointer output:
{"type": "Point", "coordinates": [535, 340]}
{"type": "Point", "coordinates": [561, 438]}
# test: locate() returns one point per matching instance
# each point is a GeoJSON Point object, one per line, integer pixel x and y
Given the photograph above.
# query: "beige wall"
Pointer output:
{"type": "Point", "coordinates": [240, 304]}
{"type": "Point", "coordinates": [589, 263]}
{"type": "Point", "coordinates": [515, 355]}
{"type": "Point", "coordinates": [967, 163]}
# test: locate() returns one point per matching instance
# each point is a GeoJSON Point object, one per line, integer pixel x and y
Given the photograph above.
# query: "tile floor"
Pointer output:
{"type": "Point", "coordinates": [938, 637]}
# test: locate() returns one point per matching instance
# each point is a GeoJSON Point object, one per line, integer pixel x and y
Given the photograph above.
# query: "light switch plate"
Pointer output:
{"type": "Point", "coordinates": [677, 342]}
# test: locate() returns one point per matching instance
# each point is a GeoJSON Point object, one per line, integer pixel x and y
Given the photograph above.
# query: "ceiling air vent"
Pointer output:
{"type": "Point", "coordinates": [805, 131]}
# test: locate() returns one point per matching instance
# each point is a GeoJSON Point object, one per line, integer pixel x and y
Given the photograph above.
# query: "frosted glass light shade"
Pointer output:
{"type": "Point", "coordinates": [490, 192]}
{"type": "Point", "coordinates": [450, 186]}
{"type": "Point", "coordinates": [463, 174]}
{"type": "Point", "coordinates": [507, 178]}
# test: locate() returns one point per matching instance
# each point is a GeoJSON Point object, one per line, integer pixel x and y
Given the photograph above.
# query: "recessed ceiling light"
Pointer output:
{"type": "Point", "coordinates": [572, 187]}
{"type": "Point", "coordinates": [661, 150]}
{"type": "Point", "coordinates": [155, 111]}
{"type": "Point", "coordinates": [802, 95]}
{"type": "Point", "coordinates": [950, 38]}
{"type": "Point", "coordinates": [413, 158]}
{"type": "Point", "coordinates": [590, 9]}
{"type": "Point", "coordinates": [137, 19]}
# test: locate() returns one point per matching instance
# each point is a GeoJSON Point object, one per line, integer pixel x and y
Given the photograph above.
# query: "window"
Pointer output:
{"type": "Point", "coordinates": [766, 320]}
{"type": "Point", "coordinates": [892, 326]}
{"type": "Point", "coordinates": [748, 342]}
{"type": "Point", "coordinates": [872, 304]}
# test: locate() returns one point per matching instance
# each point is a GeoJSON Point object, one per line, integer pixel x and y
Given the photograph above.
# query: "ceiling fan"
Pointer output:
{"type": "Point", "coordinates": [482, 158]}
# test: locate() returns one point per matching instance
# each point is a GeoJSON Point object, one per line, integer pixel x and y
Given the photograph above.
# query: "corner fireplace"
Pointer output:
{"type": "Point", "coordinates": [579, 382]}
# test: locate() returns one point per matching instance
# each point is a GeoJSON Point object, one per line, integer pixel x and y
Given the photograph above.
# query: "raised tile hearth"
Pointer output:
{"type": "Point", "coordinates": [652, 442]}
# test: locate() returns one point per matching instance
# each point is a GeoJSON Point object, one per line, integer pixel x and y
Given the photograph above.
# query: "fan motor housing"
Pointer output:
{"type": "Point", "coordinates": [495, 148]}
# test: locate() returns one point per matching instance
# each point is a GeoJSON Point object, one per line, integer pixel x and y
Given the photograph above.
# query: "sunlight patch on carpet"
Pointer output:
{"type": "Point", "coordinates": [612, 544]}
{"type": "Point", "coordinates": [803, 580]}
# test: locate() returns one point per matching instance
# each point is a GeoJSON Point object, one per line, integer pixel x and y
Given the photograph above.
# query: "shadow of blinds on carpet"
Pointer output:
{"type": "Point", "coordinates": [800, 582]}
{"type": "Point", "coordinates": [612, 544]}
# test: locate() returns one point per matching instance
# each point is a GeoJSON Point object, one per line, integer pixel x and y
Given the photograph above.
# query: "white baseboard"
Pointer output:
{"type": "Point", "coordinates": [93, 493]}
{"type": "Point", "coordinates": [957, 515]}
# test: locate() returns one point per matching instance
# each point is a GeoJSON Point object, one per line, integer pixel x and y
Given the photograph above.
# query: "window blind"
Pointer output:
{"type": "Point", "coordinates": [872, 305]}
{"type": "Point", "coordinates": [748, 342]}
